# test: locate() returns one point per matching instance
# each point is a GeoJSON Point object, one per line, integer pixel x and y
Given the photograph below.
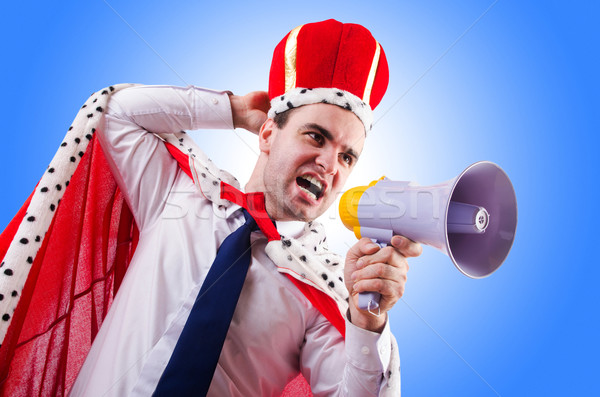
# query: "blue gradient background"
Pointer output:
{"type": "Point", "coordinates": [519, 87]}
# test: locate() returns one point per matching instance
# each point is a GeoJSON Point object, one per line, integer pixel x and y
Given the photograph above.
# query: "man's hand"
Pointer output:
{"type": "Point", "coordinates": [250, 111]}
{"type": "Point", "coordinates": [383, 270]}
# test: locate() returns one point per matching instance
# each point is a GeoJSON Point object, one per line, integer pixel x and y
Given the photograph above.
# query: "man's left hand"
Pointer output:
{"type": "Point", "coordinates": [384, 270]}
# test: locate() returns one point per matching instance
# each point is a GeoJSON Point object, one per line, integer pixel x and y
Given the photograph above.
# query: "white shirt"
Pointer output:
{"type": "Point", "coordinates": [275, 331]}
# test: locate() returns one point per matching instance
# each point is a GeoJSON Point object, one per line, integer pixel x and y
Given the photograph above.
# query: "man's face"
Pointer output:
{"type": "Point", "coordinates": [309, 160]}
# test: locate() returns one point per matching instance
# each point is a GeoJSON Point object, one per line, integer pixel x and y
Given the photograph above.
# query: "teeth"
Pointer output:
{"type": "Point", "coordinates": [310, 185]}
{"type": "Point", "coordinates": [314, 181]}
{"type": "Point", "coordinates": [311, 194]}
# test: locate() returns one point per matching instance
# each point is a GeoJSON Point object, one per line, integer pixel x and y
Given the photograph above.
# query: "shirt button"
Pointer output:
{"type": "Point", "coordinates": [215, 101]}
{"type": "Point", "coordinates": [365, 350]}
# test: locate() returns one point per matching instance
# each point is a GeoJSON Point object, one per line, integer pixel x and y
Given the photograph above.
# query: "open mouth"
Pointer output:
{"type": "Point", "coordinates": [311, 186]}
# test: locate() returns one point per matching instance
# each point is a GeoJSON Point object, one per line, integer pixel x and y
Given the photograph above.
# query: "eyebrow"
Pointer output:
{"type": "Point", "coordinates": [328, 136]}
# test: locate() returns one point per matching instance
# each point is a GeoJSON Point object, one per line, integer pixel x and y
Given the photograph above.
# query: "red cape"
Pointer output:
{"type": "Point", "coordinates": [73, 280]}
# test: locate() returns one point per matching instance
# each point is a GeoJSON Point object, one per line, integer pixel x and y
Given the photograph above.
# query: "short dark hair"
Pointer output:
{"type": "Point", "coordinates": [281, 119]}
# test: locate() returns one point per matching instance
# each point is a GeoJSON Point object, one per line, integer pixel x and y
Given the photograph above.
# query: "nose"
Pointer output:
{"type": "Point", "coordinates": [327, 159]}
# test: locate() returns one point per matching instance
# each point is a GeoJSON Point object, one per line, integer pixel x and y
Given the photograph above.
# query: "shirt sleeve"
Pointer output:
{"type": "Point", "coordinates": [139, 160]}
{"type": "Point", "coordinates": [356, 366]}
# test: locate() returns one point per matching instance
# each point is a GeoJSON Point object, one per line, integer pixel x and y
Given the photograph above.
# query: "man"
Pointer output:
{"type": "Point", "coordinates": [310, 140]}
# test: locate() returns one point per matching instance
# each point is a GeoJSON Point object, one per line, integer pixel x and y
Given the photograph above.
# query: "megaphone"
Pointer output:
{"type": "Point", "coordinates": [471, 218]}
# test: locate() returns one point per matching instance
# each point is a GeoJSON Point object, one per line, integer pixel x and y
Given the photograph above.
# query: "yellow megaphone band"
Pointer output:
{"type": "Point", "coordinates": [349, 206]}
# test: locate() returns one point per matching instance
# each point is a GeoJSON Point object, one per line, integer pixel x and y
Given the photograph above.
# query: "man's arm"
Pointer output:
{"type": "Point", "coordinates": [352, 366]}
{"type": "Point", "coordinates": [142, 166]}
{"type": "Point", "coordinates": [367, 362]}
{"type": "Point", "coordinates": [370, 355]}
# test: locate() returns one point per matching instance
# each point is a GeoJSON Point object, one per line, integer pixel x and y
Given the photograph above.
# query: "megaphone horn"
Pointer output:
{"type": "Point", "coordinates": [471, 218]}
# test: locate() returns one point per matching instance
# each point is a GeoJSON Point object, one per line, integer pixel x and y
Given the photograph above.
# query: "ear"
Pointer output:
{"type": "Point", "coordinates": [266, 136]}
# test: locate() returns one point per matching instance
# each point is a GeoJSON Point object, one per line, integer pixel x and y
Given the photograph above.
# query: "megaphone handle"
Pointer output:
{"type": "Point", "coordinates": [370, 300]}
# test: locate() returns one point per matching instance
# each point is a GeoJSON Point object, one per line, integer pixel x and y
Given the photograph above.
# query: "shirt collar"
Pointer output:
{"type": "Point", "coordinates": [293, 229]}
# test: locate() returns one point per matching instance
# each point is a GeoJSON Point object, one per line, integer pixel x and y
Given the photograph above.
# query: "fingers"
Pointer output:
{"type": "Point", "coordinates": [381, 271]}
{"type": "Point", "coordinates": [390, 255]}
{"type": "Point", "coordinates": [385, 271]}
{"type": "Point", "coordinates": [390, 290]}
{"type": "Point", "coordinates": [406, 246]}
{"type": "Point", "coordinates": [260, 100]}
{"type": "Point", "coordinates": [257, 100]}
{"type": "Point", "coordinates": [363, 247]}
{"type": "Point", "coordinates": [386, 264]}
{"type": "Point", "coordinates": [380, 277]}
{"type": "Point", "coordinates": [249, 111]}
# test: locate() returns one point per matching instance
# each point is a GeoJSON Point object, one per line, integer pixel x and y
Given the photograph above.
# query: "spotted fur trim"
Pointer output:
{"type": "Point", "coordinates": [19, 257]}
{"type": "Point", "coordinates": [308, 259]}
{"type": "Point", "coordinates": [306, 96]}
{"type": "Point", "coordinates": [206, 175]}
{"type": "Point", "coordinates": [45, 200]}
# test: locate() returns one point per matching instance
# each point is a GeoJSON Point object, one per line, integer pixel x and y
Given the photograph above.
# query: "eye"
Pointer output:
{"type": "Point", "coordinates": [318, 138]}
{"type": "Point", "coordinates": [347, 159]}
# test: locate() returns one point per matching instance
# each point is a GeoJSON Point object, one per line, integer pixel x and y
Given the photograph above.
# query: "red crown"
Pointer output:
{"type": "Point", "coordinates": [330, 54]}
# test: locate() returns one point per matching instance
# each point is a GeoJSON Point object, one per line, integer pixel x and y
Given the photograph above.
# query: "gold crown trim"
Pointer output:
{"type": "Point", "coordinates": [291, 46]}
{"type": "Point", "coordinates": [372, 72]}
